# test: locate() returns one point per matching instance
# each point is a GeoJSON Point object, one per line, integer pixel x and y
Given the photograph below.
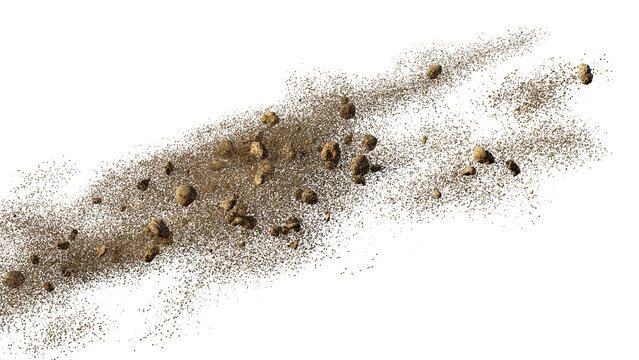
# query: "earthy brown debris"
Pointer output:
{"type": "Point", "coordinates": [48, 286]}
{"type": "Point", "coordinates": [276, 230]}
{"type": "Point", "coordinates": [348, 139]}
{"type": "Point", "coordinates": [168, 168]}
{"type": "Point", "coordinates": [293, 245]}
{"type": "Point", "coordinates": [225, 149]}
{"type": "Point", "coordinates": [101, 249]}
{"type": "Point", "coordinates": [34, 259]}
{"type": "Point", "coordinates": [184, 222]}
{"type": "Point", "coordinates": [298, 194]}
{"type": "Point", "coordinates": [360, 165]}
{"type": "Point", "coordinates": [158, 228]}
{"type": "Point", "coordinates": [433, 71]}
{"type": "Point", "coordinates": [585, 74]}
{"type": "Point", "coordinates": [344, 100]}
{"type": "Point", "coordinates": [151, 253]}
{"type": "Point", "coordinates": [331, 154]}
{"type": "Point", "coordinates": [264, 172]}
{"type": "Point", "coordinates": [72, 234]}
{"type": "Point", "coordinates": [185, 195]}
{"type": "Point", "coordinates": [292, 223]}
{"type": "Point", "coordinates": [66, 271]}
{"type": "Point", "coordinates": [228, 203]}
{"type": "Point", "coordinates": [369, 142]}
{"type": "Point", "coordinates": [287, 152]}
{"type": "Point", "coordinates": [347, 110]}
{"type": "Point", "coordinates": [424, 139]}
{"type": "Point", "coordinates": [62, 244]}
{"type": "Point", "coordinates": [238, 216]}
{"type": "Point", "coordinates": [358, 179]}
{"type": "Point", "coordinates": [13, 279]}
{"type": "Point", "coordinates": [327, 216]}
{"type": "Point", "coordinates": [241, 244]}
{"type": "Point", "coordinates": [258, 179]}
{"type": "Point", "coordinates": [468, 170]}
{"type": "Point", "coordinates": [270, 119]}
{"type": "Point", "coordinates": [309, 197]}
{"type": "Point", "coordinates": [513, 167]}
{"type": "Point", "coordinates": [437, 194]}
{"type": "Point", "coordinates": [258, 150]}
{"type": "Point", "coordinates": [217, 165]}
{"type": "Point", "coordinates": [143, 184]}
{"type": "Point", "coordinates": [482, 156]}
{"type": "Point", "coordinates": [122, 208]}
{"type": "Point", "coordinates": [96, 200]}
{"type": "Point", "coordinates": [376, 168]}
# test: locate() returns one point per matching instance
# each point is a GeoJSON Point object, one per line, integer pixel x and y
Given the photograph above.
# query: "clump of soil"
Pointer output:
{"type": "Point", "coordinates": [62, 244]}
{"type": "Point", "coordinates": [228, 203]}
{"type": "Point", "coordinates": [13, 279]}
{"type": "Point", "coordinates": [72, 234]}
{"type": "Point", "coordinates": [369, 142]}
{"type": "Point", "coordinates": [347, 109]}
{"type": "Point", "coordinates": [168, 168]}
{"type": "Point", "coordinates": [468, 170]}
{"type": "Point", "coordinates": [584, 73]}
{"type": "Point", "coordinates": [143, 184]}
{"type": "Point", "coordinates": [96, 200]}
{"type": "Point", "coordinates": [433, 71]}
{"type": "Point", "coordinates": [238, 216]}
{"type": "Point", "coordinates": [101, 249]}
{"type": "Point", "coordinates": [424, 139]}
{"type": "Point", "coordinates": [437, 194]}
{"type": "Point", "coordinates": [34, 259]}
{"type": "Point", "coordinates": [151, 252]}
{"type": "Point", "coordinates": [482, 156]}
{"type": "Point", "coordinates": [48, 287]}
{"type": "Point", "coordinates": [360, 165]}
{"type": "Point", "coordinates": [309, 197]}
{"type": "Point", "coordinates": [158, 228]}
{"type": "Point", "coordinates": [264, 172]}
{"type": "Point", "coordinates": [348, 139]}
{"type": "Point", "coordinates": [270, 119]}
{"type": "Point", "coordinates": [258, 150]}
{"type": "Point", "coordinates": [185, 195]}
{"type": "Point", "coordinates": [225, 149]}
{"type": "Point", "coordinates": [331, 154]}
{"type": "Point", "coordinates": [288, 153]}
{"type": "Point", "coordinates": [275, 230]}
{"type": "Point", "coordinates": [513, 167]}
{"type": "Point", "coordinates": [376, 168]}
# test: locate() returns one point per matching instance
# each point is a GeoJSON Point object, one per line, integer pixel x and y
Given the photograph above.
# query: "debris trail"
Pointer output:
{"type": "Point", "coordinates": [251, 196]}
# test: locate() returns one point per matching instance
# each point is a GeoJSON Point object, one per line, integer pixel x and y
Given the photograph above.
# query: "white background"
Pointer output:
{"type": "Point", "coordinates": [87, 81]}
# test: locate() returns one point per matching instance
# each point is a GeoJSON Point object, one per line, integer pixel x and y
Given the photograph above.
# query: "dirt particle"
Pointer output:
{"type": "Point", "coordinates": [468, 170]}
{"type": "Point", "coordinates": [327, 216]}
{"type": "Point", "coordinates": [151, 252]}
{"type": "Point", "coordinates": [369, 142]}
{"type": "Point", "coordinates": [513, 167]}
{"type": "Point", "coordinates": [101, 249]}
{"type": "Point", "coordinates": [258, 150]}
{"type": "Point", "coordinates": [376, 168]}
{"type": "Point", "coordinates": [34, 259]}
{"type": "Point", "coordinates": [584, 73]}
{"type": "Point", "coordinates": [433, 71]}
{"type": "Point", "coordinates": [185, 195]}
{"type": "Point", "coordinates": [360, 165]}
{"type": "Point", "coordinates": [48, 287]}
{"type": "Point", "coordinates": [287, 152]}
{"type": "Point", "coordinates": [437, 194]}
{"type": "Point", "coordinates": [347, 110]}
{"type": "Point", "coordinates": [331, 154]}
{"type": "Point", "coordinates": [13, 279]}
{"type": "Point", "coordinates": [96, 200]}
{"type": "Point", "coordinates": [270, 119]}
{"type": "Point", "coordinates": [168, 168]}
{"type": "Point", "coordinates": [122, 208]}
{"type": "Point", "coordinates": [358, 179]}
{"type": "Point", "coordinates": [158, 228]}
{"type": "Point", "coordinates": [482, 156]}
{"type": "Point", "coordinates": [62, 244]}
{"type": "Point", "coordinates": [293, 245]}
{"type": "Point", "coordinates": [348, 139]}
{"type": "Point", "coordinates": [143, 184]}
{"type": "Point", "coordinates": [72, 234]}
{"type": "Point", "coordinates": [309, 197]}
{"type": "Point", "coordinates": [424, 139]}
{"type": "Point", "coordinates": [225, 149]}
{"type": "Point", "coordinates": [228, 203]}
{"type": "Point", "coordinates": [275, 230]}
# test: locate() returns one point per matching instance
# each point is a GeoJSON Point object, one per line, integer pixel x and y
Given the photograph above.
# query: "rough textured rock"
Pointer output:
{"type": "Point", "coordinates": [151, 253]}
{"type": "Point", "coordinates": [13, 279]}
{"type": "Point", "coordinates": [309, 197]}
{"type": "Point", "coordinates": [513, 167]}
{"type": "Point", "coordinates": [369, 142]}
{"type": "Point", "coordinates": [360, 165]}
{"type": "Point", "coordinates": [270, 119]}
{"type": "Point", "coordinates": [468, 170]}
{"type": "Point", "coordinates": [168, 168]}
{"type": "Point", "coordinates": [584, 73]}
{"type": "Point", "coordinates": [331, 154]}
{"type": "Point", "coordinates": [185, 195]}
{"type": "Point", "coordinates": [158, 228]}
{"type": "Point", "coordinates": [258, 150]}
{"type": "Point", "coordinates": [482, 156]}
{"type": "Point", "coordinates": [143, 184]}
{"type": "Point", "coordinates": [433, 71]}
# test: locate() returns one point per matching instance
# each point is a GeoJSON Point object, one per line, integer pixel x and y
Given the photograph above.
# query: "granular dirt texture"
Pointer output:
{"type": "Point", "coordinates": [13, 279]}
{"type": "Point", "coordinates": [143, 184]}
{"type": "Point", "coordinates": [270, 119]}
{"type": "Point", "coordinates": [308, 197]}
{"type": "Point", "coordinates": [34, 259]}
{"type": "Point", "coordinates": [233, 232]}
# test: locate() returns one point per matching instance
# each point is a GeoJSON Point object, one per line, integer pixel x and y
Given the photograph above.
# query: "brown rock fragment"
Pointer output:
{"type": "Point", "coordinates": [369, 142]}
{"type": "Point", "coordinates": [584, 73]}
{"type": "Point", "coordinates": [168, 168]}
{"type": "Point", "coordinates": [158, 228]}
{"type": "Point", "coordinates": [327, 216]}
{"type": "Point", "coordinates": [62, 244]}
{"type": "Point", "coordinates": [348, 139]}
{"type": "Point", "coordinates": [331, 154]}
{"type": "Point", "coordinates": [48, 287]}
{"type": "Point", "coordinates": [72, 234]}
{"type": "Point", "coordinates": [375, 168]}
{"type": "Point", "coordinates": [292, 223]}
{"type": "Point", "coordinates": [424, 139]}
{"type": "Point", "coordinates": [185, 195]}
{"type": "Point", "coordinates": [270, 119]}
{"type": "Point", "coordinates": [433, 71]}
{"type": "Point", "coordinates": [482, 156]}
{"type": "Point", "coordinates": [293, 245]}
{"type": "Point", "coordinates": [101, 249]}
{"type": "Point", "coordinates": [143, 184]}
{"type": "Point", "coordinates": [228, 203]}
{"type": "Point", "coordinates": [13, 279]}
{"type": "Point", "coordinates": [360, 165]}
{"type": "Point", "coordinates": [468, 170]}
{"type": "Point", "coordinates": [287, 152]}
{"type": "Point", "coordinates": [151, 253]}
{"type": "Point", "coordinates": [257, 150]}
{"type": "Point", "coordinates": [276, 230]}
{"type": "Point", "coordinates": [309, 197]}
{"type": "Point", "coordinates": [122, 208]}
{"type": "Point", "coordinates": [96, 200]}
{"type": "Point", "coordinates": [347, 109]}
{"type": "Point", "coordinates": [34, 259]}
{"type": "Point", "coordinates": [225, 149]}
{"type": "Point", "coordinates": [513, 167]}
{"type": "Point", "coordinates": [437, 194]}
{"type": "Point", "coordinates": [358, 179]}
